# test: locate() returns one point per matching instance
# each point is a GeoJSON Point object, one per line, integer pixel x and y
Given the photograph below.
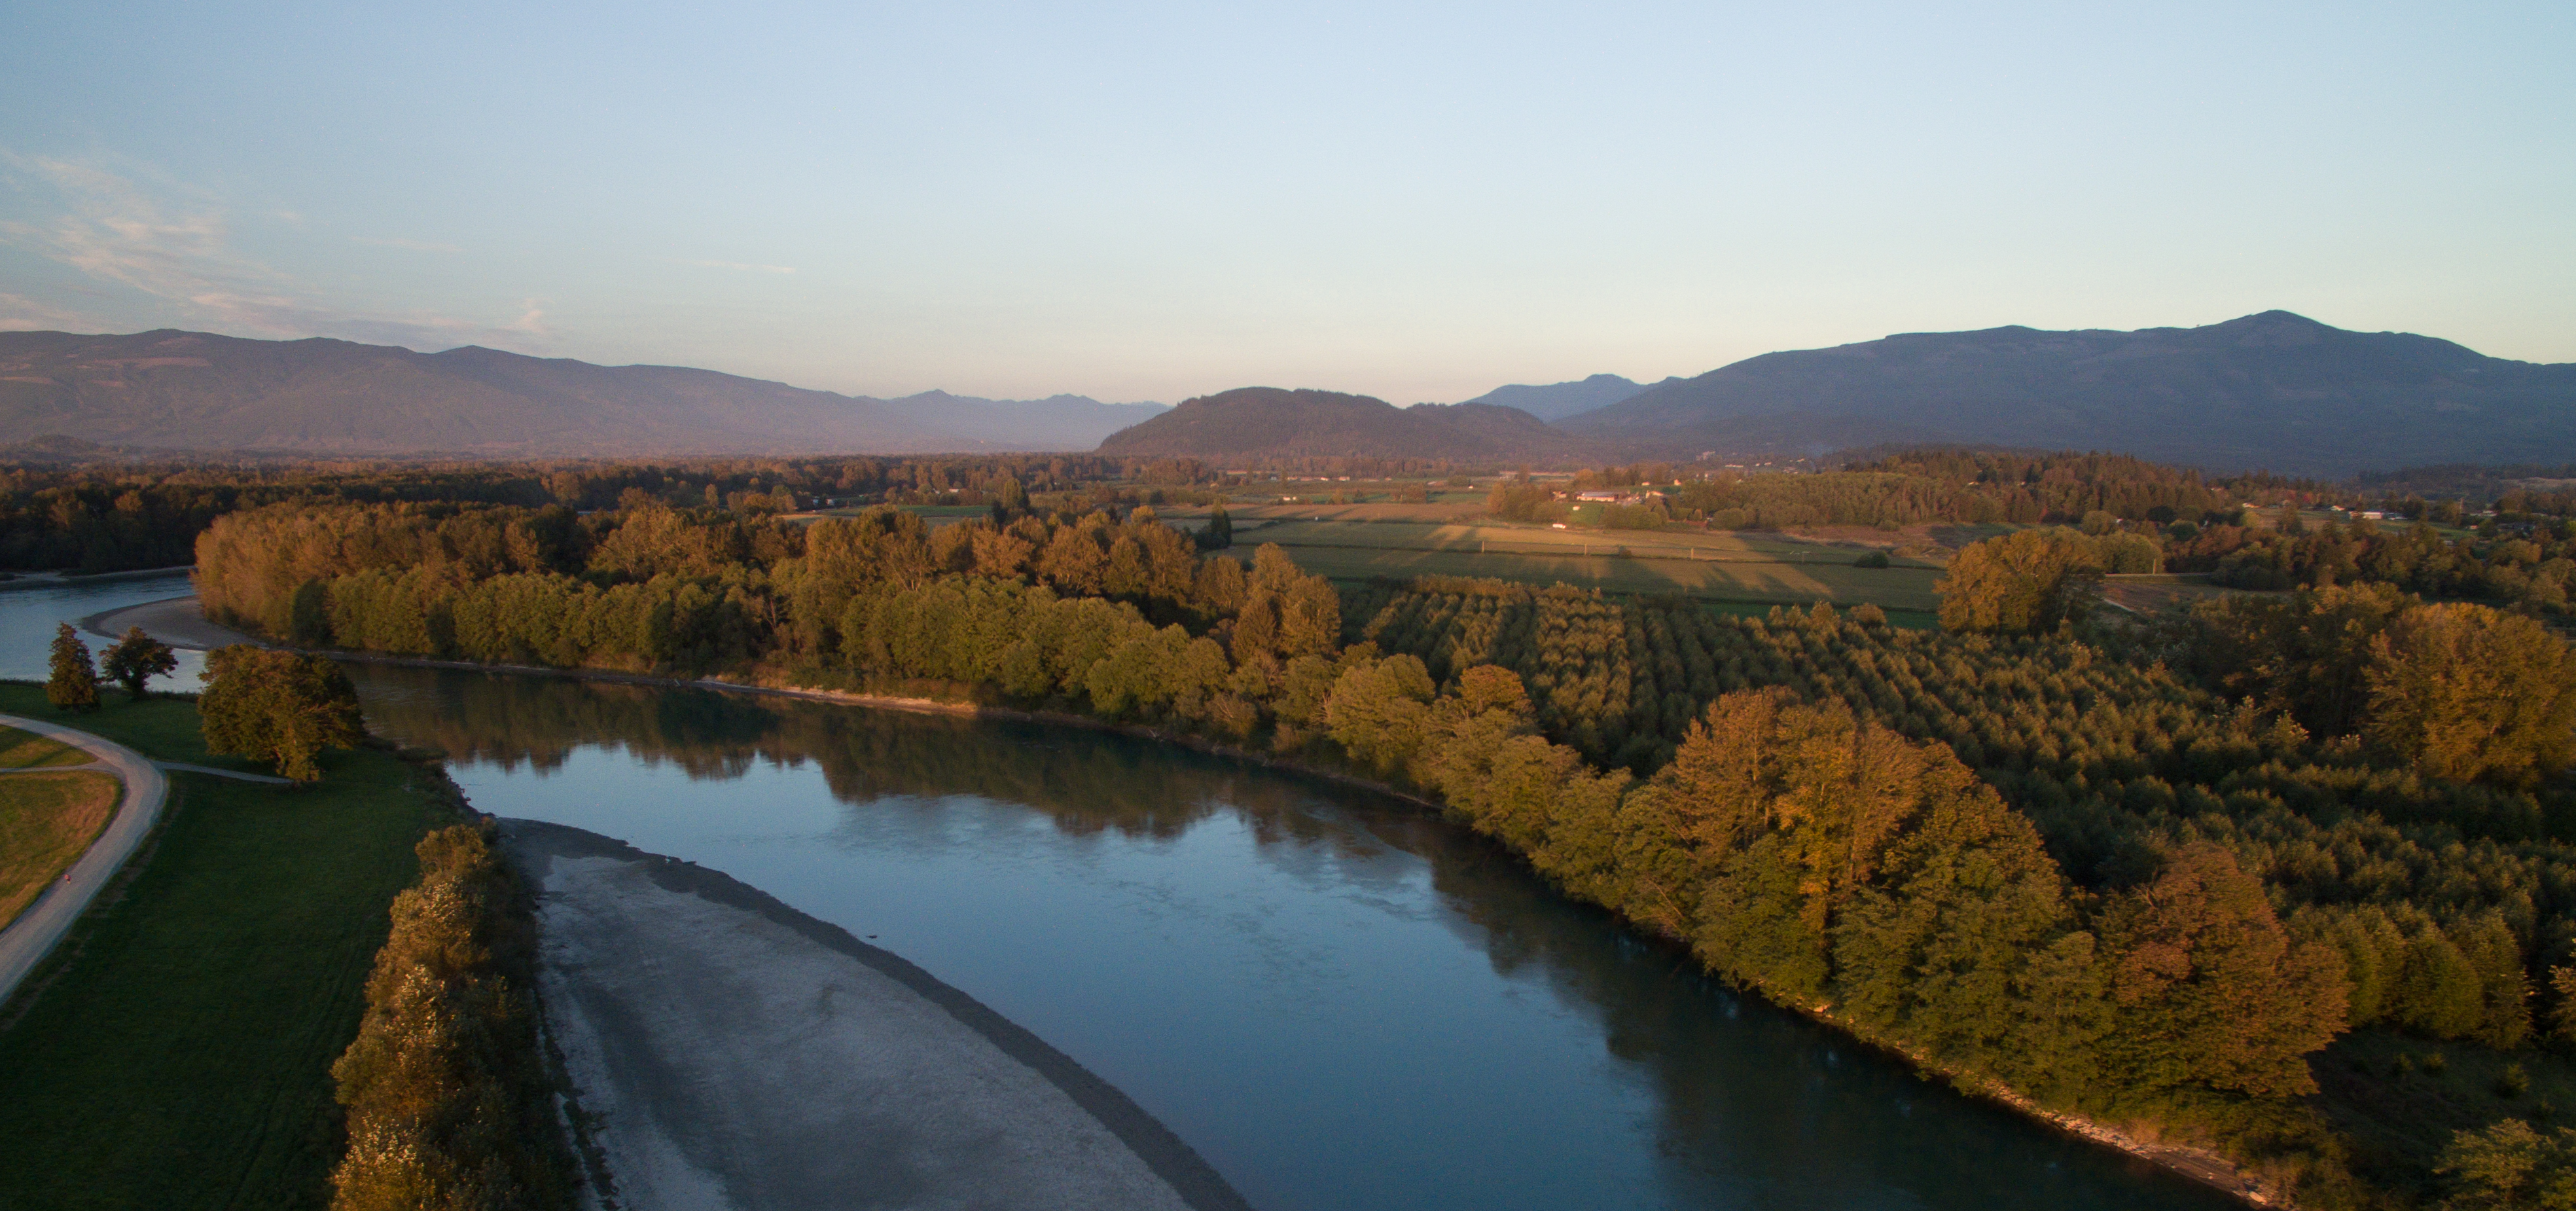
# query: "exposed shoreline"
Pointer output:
{"type": "Point", "coordinates": [2200, 1165]}
{"type": "Point", "coordinates": [811, 1068]}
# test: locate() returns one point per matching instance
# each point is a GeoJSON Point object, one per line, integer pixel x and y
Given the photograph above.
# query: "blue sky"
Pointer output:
{"type": "Point", "coordinates": [1151, 201]}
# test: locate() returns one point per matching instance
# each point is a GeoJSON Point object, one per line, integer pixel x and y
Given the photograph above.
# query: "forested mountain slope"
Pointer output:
{"type": "Point", "coordinates": [1251, 423]}
{"type": "Point", "coordinates": [199, 391]}
{"type": "Point", "coordinates": [1556, 401]}
{"type": "Point", "coordinates": [2274, 390]}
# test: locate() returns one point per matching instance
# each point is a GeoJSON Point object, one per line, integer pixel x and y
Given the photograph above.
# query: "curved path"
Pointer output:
{"type": "Point", "coordinates": [34, 934]}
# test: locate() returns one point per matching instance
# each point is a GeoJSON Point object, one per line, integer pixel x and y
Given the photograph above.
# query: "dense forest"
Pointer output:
{"type": "Point", "coordinates": [1975, 487]}
{"type": "Point", "coordinates": [2138, 872]}
{"type": "Point", "coordinates": [106, 518]}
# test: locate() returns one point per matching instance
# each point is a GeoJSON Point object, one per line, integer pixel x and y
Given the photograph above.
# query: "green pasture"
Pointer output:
{"type": "Point", "coordinates": [176, 1051]}
{"type": "Point", "coordinates": [26, 750]}
{"type": "Point", "coordinates": [1757, 569]}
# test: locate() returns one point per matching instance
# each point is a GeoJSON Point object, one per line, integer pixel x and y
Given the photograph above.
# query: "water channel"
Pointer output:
{"type": "Point", "coordinates": [1341, 1002]}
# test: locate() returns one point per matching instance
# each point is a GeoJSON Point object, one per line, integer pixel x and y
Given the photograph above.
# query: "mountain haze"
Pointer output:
{"type": "Point", "coordinates": [1269, 422]}
{"type": "Point", "coordinates": [199, 391]}
{"type": "Point", "coordinates": [1557, 401]}
{"type": "Point", "coordinates": [2274, 390]}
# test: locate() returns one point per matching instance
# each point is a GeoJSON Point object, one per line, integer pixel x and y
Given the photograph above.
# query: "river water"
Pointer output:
{"type": "Point", "coordinates": [1340, 1001]}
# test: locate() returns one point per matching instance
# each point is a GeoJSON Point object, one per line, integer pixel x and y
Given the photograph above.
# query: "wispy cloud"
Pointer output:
{"type": "Point", "coordinates": [400, 242]}
{"type": "Point", "coordinates": [178, 249]}
{"type": "Point", "coordinates": [741, 265]}
{"type": "Point", "coordinates": [18, 313]}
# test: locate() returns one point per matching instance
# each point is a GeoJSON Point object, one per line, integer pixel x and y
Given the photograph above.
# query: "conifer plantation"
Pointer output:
{"type": "Point", "coordinates": [2133, 870]}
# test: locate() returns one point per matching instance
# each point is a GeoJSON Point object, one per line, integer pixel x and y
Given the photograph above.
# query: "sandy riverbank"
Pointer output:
{"type": "Point", "coordinates": [730, 1052]}
{"type": "Point", "coordinates": [177, 621]}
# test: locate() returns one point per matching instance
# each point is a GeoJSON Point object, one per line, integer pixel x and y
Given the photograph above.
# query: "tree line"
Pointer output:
{"type": "Point", "coordinates": [2021, 852]}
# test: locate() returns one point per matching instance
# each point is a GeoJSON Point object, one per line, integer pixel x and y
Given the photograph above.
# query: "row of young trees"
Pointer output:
{"type": "Point", "coordinates": [2531, 569]}
{"type": "Point", "coordinates": [2116, 762]}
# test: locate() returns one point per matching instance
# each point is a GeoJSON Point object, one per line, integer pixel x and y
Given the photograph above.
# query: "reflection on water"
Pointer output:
{"type": "Point", "coordinates": [1341, 1002]}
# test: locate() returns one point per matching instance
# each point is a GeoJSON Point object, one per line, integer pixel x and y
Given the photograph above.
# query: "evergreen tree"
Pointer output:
{"type": "Point", "coordinates": [1219, 533]}
{"type": "Point", "coordinates": [74, 684]}
{"type": "Point", "coordinates": [1010, 501]}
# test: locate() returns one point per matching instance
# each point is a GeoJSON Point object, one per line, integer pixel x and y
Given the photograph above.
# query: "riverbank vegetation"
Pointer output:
{"type": "Point", "coordinates": [2139, 873]}
{"type": "Point", "coordinates": [176, 1050]}
{"type": "Point", "coordinates": [448, 1105]}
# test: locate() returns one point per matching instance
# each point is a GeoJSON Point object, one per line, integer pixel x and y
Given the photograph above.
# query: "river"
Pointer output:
{"type": "Point", "coordinates": [1338, 1000]}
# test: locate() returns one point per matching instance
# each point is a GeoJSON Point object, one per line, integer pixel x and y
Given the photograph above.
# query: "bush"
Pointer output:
{"type": "Point", "coordinates": [1874, 559]}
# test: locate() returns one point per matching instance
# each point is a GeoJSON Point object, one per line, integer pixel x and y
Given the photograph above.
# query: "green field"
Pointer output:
{"type": "Point", "coordinates": [46, 820]}
{"type": "Point", "coordinates": [1716, 566]}
{"type": "Point", "coordinates": [26, 750]}
{"type": "Point", "coordinates": [176, 1051]}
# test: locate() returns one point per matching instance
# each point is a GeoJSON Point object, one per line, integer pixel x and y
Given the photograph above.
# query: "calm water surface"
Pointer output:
{"type": "Point", "coordinates": [1340, 1002]}
{"type": "Point", "coordinates": [28, 617]}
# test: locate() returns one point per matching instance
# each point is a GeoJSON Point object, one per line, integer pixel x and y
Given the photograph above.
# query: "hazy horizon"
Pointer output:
{"type": "Point", "coordinates": [1419, 203]}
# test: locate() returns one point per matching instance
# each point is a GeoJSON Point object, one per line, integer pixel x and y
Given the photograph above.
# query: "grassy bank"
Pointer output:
{"type": "Point", "coordinates": [176, 1051]}
{"type": "Point", "coordinates": [46, 820]}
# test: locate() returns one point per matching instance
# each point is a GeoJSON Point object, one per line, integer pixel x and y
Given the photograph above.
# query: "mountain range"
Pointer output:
{"type": "Point", "coordinates": [2273, 390]}
{"type": "Point", "coordinates": [172, 390]}
{"type": "Point", "coordinates": [1557, 401]}
{"type": "Point", "coordinates": [1253, 423]}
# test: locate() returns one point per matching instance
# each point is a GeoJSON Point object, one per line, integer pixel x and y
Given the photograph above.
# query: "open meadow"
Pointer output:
{"type": "Point", "coordinates": [176, 1051]}
{"type": "Point", "coordinates": [1755, 568]}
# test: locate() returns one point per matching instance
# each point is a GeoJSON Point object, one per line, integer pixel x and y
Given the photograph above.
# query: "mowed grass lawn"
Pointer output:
{"type": "Point", "coordinates": [1714, 566]}
{"type": "Point", "coordinates": [46, 820]}
{"type": "Point", "coordinates": [176, 1050]}
{"type": "Point", "coordinates": [27, 750]}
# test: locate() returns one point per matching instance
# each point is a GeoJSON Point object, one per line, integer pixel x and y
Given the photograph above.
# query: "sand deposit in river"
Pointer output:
{"type": "Point", "coordinates": [729, 1052]}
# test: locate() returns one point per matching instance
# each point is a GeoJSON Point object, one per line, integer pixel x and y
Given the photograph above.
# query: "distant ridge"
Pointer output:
{"type": "Point", "coordinates": [202, 392]}
{"type": "Point", "coordinates": [1269, 422]}
{"type": "Point", "coordinates": [1557, 401]}
{"type": "Point", "coordinates": [2273, 390]}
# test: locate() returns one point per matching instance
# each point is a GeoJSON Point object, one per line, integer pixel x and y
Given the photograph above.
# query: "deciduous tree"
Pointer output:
{"type": "Point", "coordinates": [136, 660]}
{"type": "Point", "coordinates": [278, 707]}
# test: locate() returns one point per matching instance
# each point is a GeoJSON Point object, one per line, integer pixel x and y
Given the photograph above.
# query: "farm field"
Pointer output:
{"type": "Point", "coordinates": [1757, 569]}
{"type": "Point", "coordinates": [2166, 593]}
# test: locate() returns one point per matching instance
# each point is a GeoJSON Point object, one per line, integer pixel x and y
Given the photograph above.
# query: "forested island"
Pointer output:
{"type": "Point", "coordinates": [2136, 870]}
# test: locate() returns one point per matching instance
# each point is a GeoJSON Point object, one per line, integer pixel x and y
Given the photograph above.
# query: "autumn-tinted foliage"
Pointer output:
{"type": "Point", "coordinates": [447, 1099]}
{"type": "Point", "coordinates": [2144, 873]}
{"type": "Point", "coordinates": [278, 707]}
